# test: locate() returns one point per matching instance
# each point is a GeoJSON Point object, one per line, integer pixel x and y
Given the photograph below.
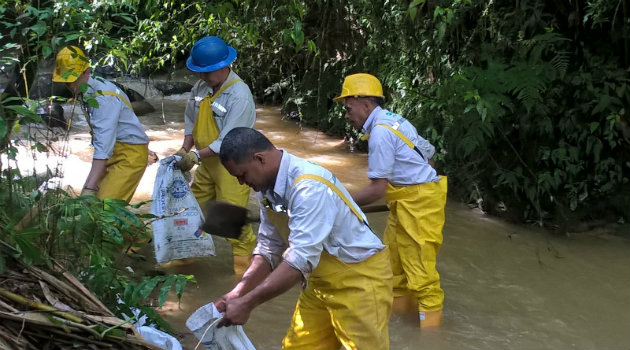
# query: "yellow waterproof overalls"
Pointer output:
{"type": "Point", "coordinates": [414, 236]}
{"type": "Point", "coordinates": [124, 169]}
{"type": "Point", "coordinates": [213, 181]}
{"type": "Point", "coordinates": [343, 305]}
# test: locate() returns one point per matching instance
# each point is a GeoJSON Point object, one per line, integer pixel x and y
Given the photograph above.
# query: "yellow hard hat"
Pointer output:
{"type": "Point", "coordinates": [360, 84]}
{"type": "Point", "coordinates": [71, 62]}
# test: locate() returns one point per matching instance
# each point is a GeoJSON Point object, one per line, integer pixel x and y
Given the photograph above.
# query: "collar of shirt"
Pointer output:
{"type": "Point", "coordinates": [280, 186]}
{"type": "Point", "coordinates": [92, 85]}
{"type": "Point", "coordinates": [229, 78]}
{"type": "Point", "coordinates": [369, 122]}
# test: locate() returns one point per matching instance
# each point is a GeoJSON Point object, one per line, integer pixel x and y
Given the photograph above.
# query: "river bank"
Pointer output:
{"type": "Point", "coordinates": [507, 286]}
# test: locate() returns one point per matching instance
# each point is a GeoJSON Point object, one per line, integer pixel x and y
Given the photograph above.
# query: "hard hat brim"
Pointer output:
{"type": "Point", "coordinates": [68, 77]}
{"type": "Point", "coordinates": [211, 68]}
{"type": "Point", "coordinates": [57, 78]}
{"type": "Point", "coordinates": [341, 97]}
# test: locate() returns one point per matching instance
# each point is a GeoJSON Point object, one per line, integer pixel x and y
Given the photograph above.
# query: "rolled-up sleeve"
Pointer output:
{"type": "Point", "coordinates": [425, 147]}
{"type": "Point", "coordinates": [380, 159]}
{"type": "Point", "coordinates": [104, 121]}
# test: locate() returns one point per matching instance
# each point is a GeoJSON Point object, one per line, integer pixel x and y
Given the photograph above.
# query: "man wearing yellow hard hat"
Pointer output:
{"type": "Point", "coordinates": [120, 143]}
{"type": "Point", "coordinates": [219, 102]}
{"type": "Point", "coordinates": [400, 169]}
{"type": "Point", "coordinates": [311, 232]}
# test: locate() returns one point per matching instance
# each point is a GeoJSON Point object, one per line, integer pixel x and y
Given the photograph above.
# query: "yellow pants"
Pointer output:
{"type": "Point", "coordinates": [414, 237]}
{"type": "Point", "coordinates": [124, 171]}
{"type": "Point", "coordinates": [344, 306]}
{"type": "Point", "coordinates": [213, 182]}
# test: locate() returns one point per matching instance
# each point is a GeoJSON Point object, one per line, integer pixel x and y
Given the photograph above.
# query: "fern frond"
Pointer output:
{"type": "Point", "coordinates": [527, 82]}
{"type": "Point", "coordinates": [560, 62]}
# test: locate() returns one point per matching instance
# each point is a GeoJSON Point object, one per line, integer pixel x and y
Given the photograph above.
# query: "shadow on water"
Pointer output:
{"type": "Point", "coordinates": [506, 286]}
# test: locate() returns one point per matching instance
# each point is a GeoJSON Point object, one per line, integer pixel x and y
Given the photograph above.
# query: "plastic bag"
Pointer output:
{"type": "Point", "coordinates": [159, 338]}
{"type": "Point", "coordinates": [149, 333]}
{"type": "Point", "coordinates": [203, 323]}
{"type": "Point", "coordinates": [179, 236]}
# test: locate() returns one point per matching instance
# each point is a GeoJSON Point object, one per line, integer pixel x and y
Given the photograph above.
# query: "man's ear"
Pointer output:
{"type": "Point", "coordinates": [260, 158]}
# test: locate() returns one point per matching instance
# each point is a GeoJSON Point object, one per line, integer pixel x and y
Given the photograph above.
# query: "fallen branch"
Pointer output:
{"type": "Point", "coordinates": [85, 292]}
{"type": "Point", "coordinates": [75, 337]}
{"type": "Point", "coordinates": [36, 305]}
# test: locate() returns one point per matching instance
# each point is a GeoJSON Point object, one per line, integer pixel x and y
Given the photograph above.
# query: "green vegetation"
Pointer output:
{"type": "Point", "coordinates": [85, 236]}
{"type": "Point", "coordinates": [92, 239]}
{"type": "Point", "coordinates": [527, 102]}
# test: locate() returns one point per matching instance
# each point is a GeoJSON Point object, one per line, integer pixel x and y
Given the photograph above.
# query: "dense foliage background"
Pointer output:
{"type": "Point", "coordinates": [527, 101]}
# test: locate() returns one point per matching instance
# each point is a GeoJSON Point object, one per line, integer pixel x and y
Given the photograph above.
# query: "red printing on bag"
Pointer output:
{"type": "Point", "coordinates": [180, 222]}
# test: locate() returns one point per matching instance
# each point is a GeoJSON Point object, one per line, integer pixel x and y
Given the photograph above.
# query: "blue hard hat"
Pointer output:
{"type": "Point", "coordinates": [210, 53]}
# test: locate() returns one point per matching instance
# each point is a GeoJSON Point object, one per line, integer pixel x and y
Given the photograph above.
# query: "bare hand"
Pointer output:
{"type": "Point", "coordinates": [221, 303]}
{"type": "Point", "coordinates": [153, 158]}
{"type": "Point", "coordinates": [237, 312]}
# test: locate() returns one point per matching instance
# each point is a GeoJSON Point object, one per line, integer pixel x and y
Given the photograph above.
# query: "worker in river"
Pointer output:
{"type": "Point", "coordinates": [120, 143]}
{"type": "Point", "coordinates": [311, 232]}
{"type": "Point", "coordinates": [218, 102]}
{"type": "Point", "coordinates": [400, 167]}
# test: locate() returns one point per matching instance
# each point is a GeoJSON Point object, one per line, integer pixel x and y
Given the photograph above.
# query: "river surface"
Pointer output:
{"type": "Point", "coordinates": [506, 286]}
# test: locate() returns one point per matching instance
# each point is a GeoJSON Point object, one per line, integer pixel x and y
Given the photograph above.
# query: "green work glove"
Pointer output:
{"type": "Point", "coordinates": [182, 152]}
{"type": "Point", "coordinates": [88, 192]}
{"type": "Point", "coordinates": [188, 161]}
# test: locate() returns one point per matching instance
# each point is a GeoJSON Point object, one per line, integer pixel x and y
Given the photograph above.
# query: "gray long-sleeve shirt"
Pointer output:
{"type": "Point", "coordinates": [318, 220]}
{"type": "Point", "coordinates": [390, 157]}
{"type": "Point", "coordinates": [233, 108]}
{"type": "Point", "coordinates": [112, 121]}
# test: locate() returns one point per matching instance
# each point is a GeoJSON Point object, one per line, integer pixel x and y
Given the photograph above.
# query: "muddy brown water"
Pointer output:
{"type": "Point", "coordinates": [506, 286]}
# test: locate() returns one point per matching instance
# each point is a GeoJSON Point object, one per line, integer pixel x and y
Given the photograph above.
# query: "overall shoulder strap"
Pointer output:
{"type": "Point", "coordinates": [337, 190]}
{"type": "Point", "coordinates": [111, 93]}
{"type": "Point", "coordinates": [394, 129]}
{"type": "Point", "coordinates": [223, 88]}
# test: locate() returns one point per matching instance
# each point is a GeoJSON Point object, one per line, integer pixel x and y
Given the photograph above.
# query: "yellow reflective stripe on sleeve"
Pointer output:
{"type": "Point", "coordinates": [334, 188]}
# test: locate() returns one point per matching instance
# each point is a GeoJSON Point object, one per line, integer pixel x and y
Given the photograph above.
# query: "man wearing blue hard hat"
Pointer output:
{"type": "Point", "coordinates": [219, 102]}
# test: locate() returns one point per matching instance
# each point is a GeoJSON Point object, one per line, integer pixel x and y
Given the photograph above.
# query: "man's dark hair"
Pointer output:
{"type": "Point", "coordinates": [241, 143]}
{"type": "Point", "coordinates": [378, 100]}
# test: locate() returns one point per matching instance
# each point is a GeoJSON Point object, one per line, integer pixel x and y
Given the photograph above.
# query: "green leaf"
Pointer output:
{"type": "Point", "coordinates": [25, 243]}
{"type": "Point", "coordinates": [412, 12]}
{"type": "Point", "coordinates": [39, 147]}
{"type": "Point", "coordinates": [28, 115]}
{"type": "Point", "coordinates": [46, 51]}
{"type": "Point", "coordinates": [441, 30]}
{"type": "Point", "coordinates": [298, 35]}
{"type": "Point", "coordinates": [604, 102]}
{"type": "Point", "coordinates": [165, 289]}
{"type": "Point", "coordinates": [312, 47]}
{"type": "Point", "coordinates": [145, 287]}
{"type": "Point", "coordinates": [181, 282]}
{"type": "Point", "coordinates": [72, 37]}
{"type": "Point", "coordinates": [39, 28]}
{"type": "Point", "coordinates": [92, 102]}
{"type": "Point", "coordinates": [3, 127]}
